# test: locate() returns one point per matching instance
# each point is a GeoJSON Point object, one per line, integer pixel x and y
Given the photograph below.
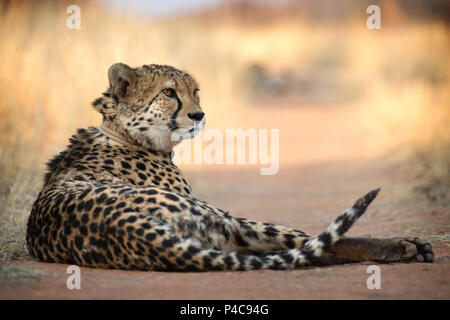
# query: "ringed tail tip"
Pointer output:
{"type": "Point", "coordinates": [363, 202]}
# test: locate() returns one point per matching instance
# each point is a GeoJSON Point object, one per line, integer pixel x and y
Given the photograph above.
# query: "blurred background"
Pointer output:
{"type": "Point", "coordinates": [336, 90]}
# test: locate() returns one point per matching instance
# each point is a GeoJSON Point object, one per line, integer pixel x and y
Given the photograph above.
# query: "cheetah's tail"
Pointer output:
{"type": "Point", "coordinates": [210, 259]}
{"type": "Point", "coordinates": [313, 248]}
{"type": "Point", "coordinates": [316, 246]}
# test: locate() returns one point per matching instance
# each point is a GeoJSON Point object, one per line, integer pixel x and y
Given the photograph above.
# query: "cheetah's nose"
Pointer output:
{"type": "Point", "coordinates": [197, 116]}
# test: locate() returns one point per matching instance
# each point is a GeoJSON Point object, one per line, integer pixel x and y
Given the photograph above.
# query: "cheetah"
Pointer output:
{"type": "Point", "coordinates": [114, 198]}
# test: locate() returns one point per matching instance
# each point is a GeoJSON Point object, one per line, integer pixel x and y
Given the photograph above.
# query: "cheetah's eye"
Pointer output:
{"type": "Point", "coordinates": [169, 92]}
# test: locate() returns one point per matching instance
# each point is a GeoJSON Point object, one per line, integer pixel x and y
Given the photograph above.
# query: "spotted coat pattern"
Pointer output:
{"type": "Point", "coordinates": [112, 205]}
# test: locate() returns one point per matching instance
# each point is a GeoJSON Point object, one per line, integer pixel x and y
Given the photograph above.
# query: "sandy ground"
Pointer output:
{"type": "Point", "coordinates": [305, 195]}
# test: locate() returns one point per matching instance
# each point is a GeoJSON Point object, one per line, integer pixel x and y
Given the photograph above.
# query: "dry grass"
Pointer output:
{"type": "Point", "coordinates": [49, 74]}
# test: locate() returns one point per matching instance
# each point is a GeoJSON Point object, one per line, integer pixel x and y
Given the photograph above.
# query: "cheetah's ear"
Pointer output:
{"type": "Point", "coordinates": [121, 77]}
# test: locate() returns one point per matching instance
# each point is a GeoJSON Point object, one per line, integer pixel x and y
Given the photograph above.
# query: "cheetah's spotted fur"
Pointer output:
{"type": "Point", "coordinates": [120, 202]}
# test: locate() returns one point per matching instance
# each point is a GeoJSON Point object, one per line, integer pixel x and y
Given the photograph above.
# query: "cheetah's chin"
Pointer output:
{"type": "Point", "coordinates": [195, 129]}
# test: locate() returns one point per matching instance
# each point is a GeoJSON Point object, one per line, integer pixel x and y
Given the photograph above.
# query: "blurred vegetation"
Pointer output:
{"type": "Point", "coordinates": [244, 54]}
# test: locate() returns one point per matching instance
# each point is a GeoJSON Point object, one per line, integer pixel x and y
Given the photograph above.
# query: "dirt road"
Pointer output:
{"type": "Point", "coordinates": [304, 196]}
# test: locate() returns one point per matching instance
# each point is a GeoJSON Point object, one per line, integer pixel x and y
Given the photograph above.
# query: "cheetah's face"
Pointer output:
{"type": "Point", "coordinates": [158, 105]}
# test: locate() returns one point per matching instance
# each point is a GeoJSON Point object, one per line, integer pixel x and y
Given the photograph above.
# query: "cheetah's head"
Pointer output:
{"type": "Point", "coordinates": [154, 106]}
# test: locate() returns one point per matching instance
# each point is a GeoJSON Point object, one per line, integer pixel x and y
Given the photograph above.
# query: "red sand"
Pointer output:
{"type": "Point", "coordinates": [304, 194]}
